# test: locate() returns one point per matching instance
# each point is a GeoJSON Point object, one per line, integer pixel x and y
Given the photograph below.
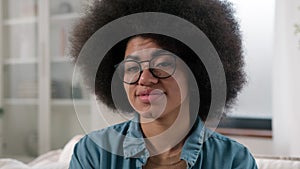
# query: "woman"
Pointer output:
{"type": "Point", "coordinates": [160, 79]}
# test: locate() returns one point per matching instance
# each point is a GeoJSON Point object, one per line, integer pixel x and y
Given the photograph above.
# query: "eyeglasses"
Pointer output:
{"type": "Point", "coordinates": [161, 66]}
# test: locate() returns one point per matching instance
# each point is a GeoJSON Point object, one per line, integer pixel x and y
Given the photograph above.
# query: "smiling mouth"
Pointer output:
{"type": "Point", "coordinates": [148, 97]}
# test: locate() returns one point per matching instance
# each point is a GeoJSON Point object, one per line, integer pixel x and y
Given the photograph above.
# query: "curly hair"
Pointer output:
{"type": "Point", "coordinates": [214, 18]}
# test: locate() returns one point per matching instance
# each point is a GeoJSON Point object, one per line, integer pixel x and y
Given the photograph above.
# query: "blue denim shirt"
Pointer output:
{"type": "Point", "coordinates": [122, 147]}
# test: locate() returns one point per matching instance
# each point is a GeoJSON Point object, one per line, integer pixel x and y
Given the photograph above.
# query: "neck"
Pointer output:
{"type": "Point", "coordinates": [157, 126]}
{"type": "Point", "coordinates": [168, 158]}
{"type": "Point", "coordinates": [165, 133]}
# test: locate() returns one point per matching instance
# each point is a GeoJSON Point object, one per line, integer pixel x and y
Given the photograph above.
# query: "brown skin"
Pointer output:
{"type": "Point", "coordinates": [159, 112]}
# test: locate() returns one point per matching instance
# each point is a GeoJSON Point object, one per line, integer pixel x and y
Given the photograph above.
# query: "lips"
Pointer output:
{"type": "Point", "coordinates": [150, 95]}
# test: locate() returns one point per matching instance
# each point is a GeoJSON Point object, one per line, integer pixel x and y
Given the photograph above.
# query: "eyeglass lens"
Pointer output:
{"type": "Point", "coordinates": [162, 66]}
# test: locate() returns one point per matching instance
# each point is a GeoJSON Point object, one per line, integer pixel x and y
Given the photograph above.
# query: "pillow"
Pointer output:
{"type": "Point", "coordinates": [55, 159]}
{"type": "Point", "coordinates": [7, 163]}
{"type": "Point", "coordinates": [45, 159]}
{"type": "Point", "coordinates": [67, 151]}
{"type": "Point", "coordinates": [277, 163]}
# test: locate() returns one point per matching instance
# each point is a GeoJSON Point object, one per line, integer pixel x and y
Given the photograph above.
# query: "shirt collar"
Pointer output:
{"type": "Point", "coordinates": [193, 144]}
{"type": "Point", "coordinates": [135, 147]}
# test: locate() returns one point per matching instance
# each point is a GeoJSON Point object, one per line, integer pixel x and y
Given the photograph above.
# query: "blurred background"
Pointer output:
{"type": "Point", "coordinates": [40, 102]}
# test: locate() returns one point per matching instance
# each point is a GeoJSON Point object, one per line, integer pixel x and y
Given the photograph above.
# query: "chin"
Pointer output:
{"type": "Point", "coordinates": [149, 110]}
{"type": "Point", "coordinates": [149, 114]}
{"type": "Point", "coordinates": [146, 115]}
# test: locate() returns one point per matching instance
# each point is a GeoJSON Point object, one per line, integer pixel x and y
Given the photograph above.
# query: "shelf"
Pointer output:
{"type": "Point", "coordinates": [69, 102]}
{"type": "Point", "coordinates": [55, 102]}
{"type": "Point", "coordinates": [21, 101]}
{"type": "Point", "coordinates": [19, 21]}
{"type": "Point", "coordinates": [29, 60]}
{"type": "Point", "coordinates": [63, 17]}
{"type": "Point", "coordinates": [33, 59]}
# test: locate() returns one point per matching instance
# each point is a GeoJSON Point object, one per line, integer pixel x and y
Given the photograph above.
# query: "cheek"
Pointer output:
{"type": "Point", "coordinates": [178, 90]}
{"type": "Point", "coordinates": [129, 91]}
{"type": "Point", "coordinates": [181, 81]}
{"type": "Point", "coordinates": [126, 88]}
{"type": "Point", "coordinates": [183, 88]}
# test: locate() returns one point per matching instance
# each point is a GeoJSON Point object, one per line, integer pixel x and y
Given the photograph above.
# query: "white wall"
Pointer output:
{"type": "Point", "coordinates": [256, 19]}
{"type": "Point", "coordinates": [286, 79]}
{"type": "Point", "coordinates": [286, 87]}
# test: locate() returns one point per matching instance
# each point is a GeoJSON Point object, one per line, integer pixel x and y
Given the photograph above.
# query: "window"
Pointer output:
{"type": "Point", "coordinates": [254, 106]}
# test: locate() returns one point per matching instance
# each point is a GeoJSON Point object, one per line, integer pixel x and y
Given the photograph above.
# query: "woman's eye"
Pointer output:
{"type": "Point", "coordinates": [163, 61]}
{"type": "Point", "coordinates": [164, 64]}
{"type": "Point", "coordinates": [132, 69]}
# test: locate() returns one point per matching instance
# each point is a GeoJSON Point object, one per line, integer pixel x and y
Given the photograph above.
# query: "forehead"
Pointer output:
{"type": "Point", "coordinates": [137, 45]}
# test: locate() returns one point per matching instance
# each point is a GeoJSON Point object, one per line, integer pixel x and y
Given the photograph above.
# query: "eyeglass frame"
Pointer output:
{"type": "Point", "coordinates": [150, 69]}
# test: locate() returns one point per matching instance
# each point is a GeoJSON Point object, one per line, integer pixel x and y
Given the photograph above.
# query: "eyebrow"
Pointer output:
{"type": "Point", "coordinates": [132, 57]}
{"type": "Point", "coordinates": [160, 52]}
{"type": "Point", "coordinates": [153, 54]}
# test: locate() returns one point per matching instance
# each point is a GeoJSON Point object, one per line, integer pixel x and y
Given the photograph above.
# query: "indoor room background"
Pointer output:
{"type": "Point", "coordinates": [43, 104]}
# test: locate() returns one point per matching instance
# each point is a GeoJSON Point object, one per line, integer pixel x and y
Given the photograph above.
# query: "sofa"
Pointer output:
{"type": "Point", "coordinates": [267, 162]}
{"type": "Point", "coordinates": [59, 159]}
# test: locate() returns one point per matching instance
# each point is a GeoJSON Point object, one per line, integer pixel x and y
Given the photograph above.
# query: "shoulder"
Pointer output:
{"type": "Point", "coordinates": [227, 144]}
{"type": "Point", "coordinates": [121, 128]}
{"type": "Point", "coordinates": [106, 135]}
{"type": "Point", "coordinates": [229, 149]}
{"type": "Point", "coordinates": [218, 138]}
{"type": "Point", "coordinates": [98, 145]}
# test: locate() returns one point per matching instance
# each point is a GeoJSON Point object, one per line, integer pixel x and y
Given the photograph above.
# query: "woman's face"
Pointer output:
{"type": "Point", "coordinates": [152, 97]}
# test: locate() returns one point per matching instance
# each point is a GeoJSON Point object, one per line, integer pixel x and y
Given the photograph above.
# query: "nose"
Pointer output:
{"type": "Point", "coordinates": [147, 78]}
